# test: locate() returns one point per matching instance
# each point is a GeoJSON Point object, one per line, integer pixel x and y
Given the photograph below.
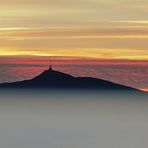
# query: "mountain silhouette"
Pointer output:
{"type": "Point", "coordinates": [58, 80]}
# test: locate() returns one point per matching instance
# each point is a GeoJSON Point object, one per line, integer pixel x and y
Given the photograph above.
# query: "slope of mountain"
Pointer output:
{"type": "Point", "coordinates": [55, 79]}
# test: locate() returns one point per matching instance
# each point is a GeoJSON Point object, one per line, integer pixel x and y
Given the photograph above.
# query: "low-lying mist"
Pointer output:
{"type": "Point", "coordinates": [69, 119]}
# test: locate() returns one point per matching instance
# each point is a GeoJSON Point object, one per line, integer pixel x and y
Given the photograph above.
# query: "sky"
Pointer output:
{"type": "Point", "coordinates": [108, 36]}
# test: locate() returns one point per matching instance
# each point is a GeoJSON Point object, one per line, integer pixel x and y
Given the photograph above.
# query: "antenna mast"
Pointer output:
{"type": "Point", "coordinates": [50, 67]}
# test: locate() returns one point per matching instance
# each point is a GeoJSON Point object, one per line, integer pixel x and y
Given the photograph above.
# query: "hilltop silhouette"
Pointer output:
{"type": "Point", "coordinates": [58, 80]}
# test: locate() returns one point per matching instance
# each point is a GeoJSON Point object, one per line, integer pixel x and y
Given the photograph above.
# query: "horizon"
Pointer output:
{"type": "Point", "coordinates": [54, 68]}
{"type": "Point", "coordinates": [26, 69]}
{"type": "Point", "coordinates": [105, 39]}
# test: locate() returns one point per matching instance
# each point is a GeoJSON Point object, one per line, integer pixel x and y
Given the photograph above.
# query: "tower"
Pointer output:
{"type": "Point", "coordinates": [50, 67]}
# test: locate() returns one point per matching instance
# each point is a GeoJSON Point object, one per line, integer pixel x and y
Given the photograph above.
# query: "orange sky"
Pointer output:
{"type": "Point", "coordinates": [102, 53]}
{"type": "Point", "coordinates": [97, 43]}
{"type": "Point", "coordinates": [103, 29]}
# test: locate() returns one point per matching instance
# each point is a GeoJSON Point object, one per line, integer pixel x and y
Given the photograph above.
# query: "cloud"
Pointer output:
{"type": "Point", "coordinates": [64, 41]}
{"type": "Point", "coordinates": [83, 53]}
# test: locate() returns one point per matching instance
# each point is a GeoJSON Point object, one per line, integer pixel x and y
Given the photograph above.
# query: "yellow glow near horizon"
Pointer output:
{"type": "Point", "coordinates": [128, 54]}
{"type": "Point", "coordinates": [90, 43]}
{"type": "Point", "coordinates": [91, 28]}
{"type": "Point", "coordinates": [144, 89]}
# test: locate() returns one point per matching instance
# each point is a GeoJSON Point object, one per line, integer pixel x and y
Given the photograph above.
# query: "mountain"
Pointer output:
{"type": "Point", "coordinates": [58, 80]}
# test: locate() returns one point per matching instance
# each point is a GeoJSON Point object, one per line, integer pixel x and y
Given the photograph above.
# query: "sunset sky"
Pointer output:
{"type": "Point", "coordinates": [107, 37]}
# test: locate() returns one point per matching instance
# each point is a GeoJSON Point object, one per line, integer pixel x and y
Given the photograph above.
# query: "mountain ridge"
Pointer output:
{"type": "Point", "coordinates": [55, 79]}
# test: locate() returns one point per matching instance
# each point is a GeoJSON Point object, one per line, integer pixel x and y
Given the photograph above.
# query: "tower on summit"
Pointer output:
{"type": "Point", "coordinates": [50, 67]}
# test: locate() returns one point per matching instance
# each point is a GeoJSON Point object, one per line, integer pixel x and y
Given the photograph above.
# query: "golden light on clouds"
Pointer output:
{"type": "Point", "coordinates": [90, 43]}
{"type": "Point", "coordinates": [91, 28]}
{"type": "Point", "coordinates": [126, 54]}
